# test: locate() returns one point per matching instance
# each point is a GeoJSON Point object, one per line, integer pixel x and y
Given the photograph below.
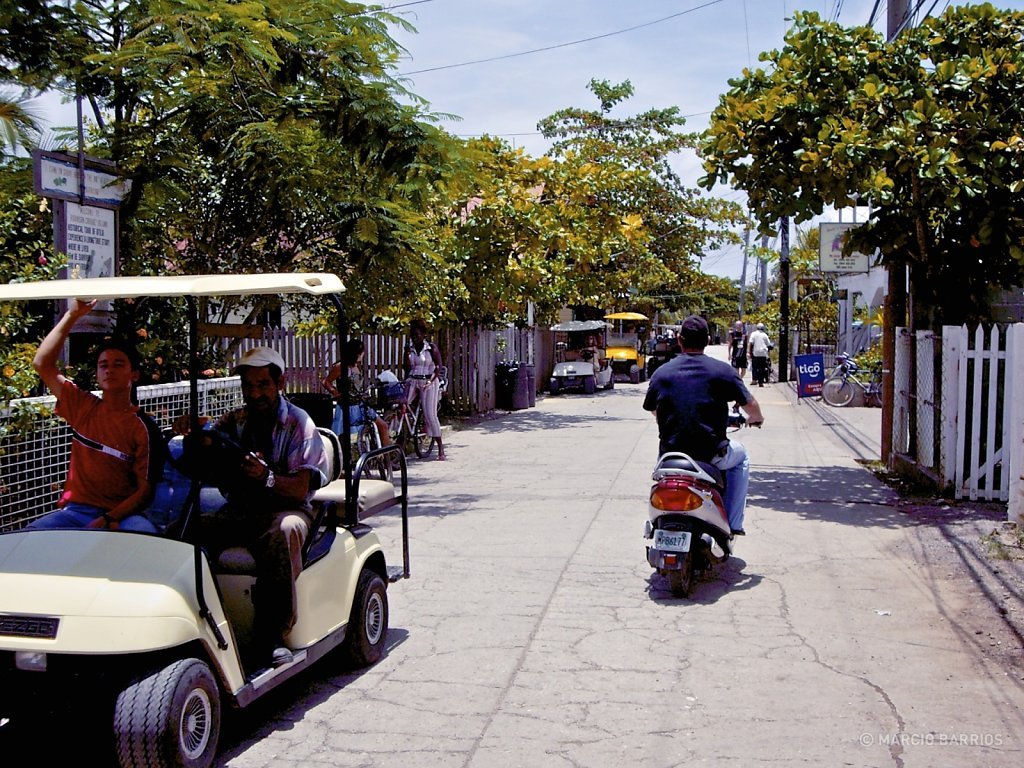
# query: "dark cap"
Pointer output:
{"type": "Point", "coordinates": [694, 331]}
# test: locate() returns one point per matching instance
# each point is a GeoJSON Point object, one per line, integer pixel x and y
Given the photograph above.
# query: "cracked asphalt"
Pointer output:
{"type": "Point", "coordinates": [533, 633]}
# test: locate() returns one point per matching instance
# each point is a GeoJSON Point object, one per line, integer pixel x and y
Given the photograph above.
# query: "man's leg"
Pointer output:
{"type": "Point", "coordinates": [736, 465]}
{"type": "Point", "coordinates": [278, 556]}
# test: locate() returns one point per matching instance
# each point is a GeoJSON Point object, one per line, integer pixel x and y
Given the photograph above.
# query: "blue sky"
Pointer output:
{"type": "Point", "coordinates": [674, 52]}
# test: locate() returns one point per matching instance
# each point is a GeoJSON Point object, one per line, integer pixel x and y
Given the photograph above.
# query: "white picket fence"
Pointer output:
{"type": "Point", "coordinates": [960, 418]}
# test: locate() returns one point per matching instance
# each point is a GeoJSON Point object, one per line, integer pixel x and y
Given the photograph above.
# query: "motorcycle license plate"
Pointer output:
{"type": "Point", "coordinates": [672, 541]}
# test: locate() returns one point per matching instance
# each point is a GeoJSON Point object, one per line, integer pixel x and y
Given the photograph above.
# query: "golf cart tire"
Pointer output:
{"type": "Point", "coordinates": [368, 625]}
{"type": "Point", "coordinates": [590, 385]}
{"type": "Point", "coordinates": [171, 718]}
{"type": "Point", "coordinates": [553, 386]}
{"type": "Point", "coordinates": [634, 375]}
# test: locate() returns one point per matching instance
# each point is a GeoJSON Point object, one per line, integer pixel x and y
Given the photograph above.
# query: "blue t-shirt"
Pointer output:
{"type": "Point", "coordinates": [691, 395]}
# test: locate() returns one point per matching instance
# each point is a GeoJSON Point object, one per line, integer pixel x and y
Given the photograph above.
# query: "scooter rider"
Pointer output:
{"type": "Point", "coordinates": [690, 397]}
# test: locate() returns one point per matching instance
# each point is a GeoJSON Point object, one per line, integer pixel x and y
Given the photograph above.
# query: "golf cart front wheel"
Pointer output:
{"type": "Point", "coordinates": [170, 718]}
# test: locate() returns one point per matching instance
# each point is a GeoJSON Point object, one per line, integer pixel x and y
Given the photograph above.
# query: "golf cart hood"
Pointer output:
{"type": "Point", "coordinates": [110, 591]}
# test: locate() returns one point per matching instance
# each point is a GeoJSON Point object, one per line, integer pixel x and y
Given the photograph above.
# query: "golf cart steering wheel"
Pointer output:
{"type": "Point", "coordinates": [212, 457]}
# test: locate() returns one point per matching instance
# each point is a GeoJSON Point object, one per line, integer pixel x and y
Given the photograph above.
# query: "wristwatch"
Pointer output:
{"type": "Point", "coordinates": [271, 480]}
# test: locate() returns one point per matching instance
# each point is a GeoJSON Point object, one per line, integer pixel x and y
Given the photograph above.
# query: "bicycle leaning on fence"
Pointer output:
{"type": "Point", "coordinates": [407, 423]}
{"type": "Point", "coordinates": [841, 386]}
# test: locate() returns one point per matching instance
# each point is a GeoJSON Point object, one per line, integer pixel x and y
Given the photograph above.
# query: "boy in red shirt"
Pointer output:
{"type": "Point", "coordinates": [110, 480]}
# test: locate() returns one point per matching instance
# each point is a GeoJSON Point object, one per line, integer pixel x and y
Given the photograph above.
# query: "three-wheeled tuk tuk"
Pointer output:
{"type": "Point", "coordinates": [147, 629]}
{"type": "Point", "coordinates": [581, 359]}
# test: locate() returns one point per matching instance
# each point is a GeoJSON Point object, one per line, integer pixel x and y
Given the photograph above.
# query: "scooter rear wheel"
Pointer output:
{"type": "Point", "coordinates": [681, 582]}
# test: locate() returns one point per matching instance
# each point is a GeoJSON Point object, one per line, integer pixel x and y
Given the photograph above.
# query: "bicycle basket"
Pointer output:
{"type": "Point", "coordinates": [389, 394]}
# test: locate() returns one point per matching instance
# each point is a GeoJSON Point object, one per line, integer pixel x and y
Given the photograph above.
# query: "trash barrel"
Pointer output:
{"type": "Point", "coordinates": [505, 374]}
{"type": "Point", "coordinates": [318, 405]}
{"type": "Point", "coordinates": [521, 390]}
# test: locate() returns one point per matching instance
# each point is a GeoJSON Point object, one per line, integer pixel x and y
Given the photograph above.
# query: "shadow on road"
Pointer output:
{"type": "Point", "coordinates": [718, 581]}
{"type": "Point", "coordinates": [847, 495]}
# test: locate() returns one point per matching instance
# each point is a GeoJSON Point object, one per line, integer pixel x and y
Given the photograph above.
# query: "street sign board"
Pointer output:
{"type": "Point", "coordinates": [57, 174]}
{"type": "Point", "coordinates": [810, 374]}
{"type": "Point", "coordinates": [830, 250]}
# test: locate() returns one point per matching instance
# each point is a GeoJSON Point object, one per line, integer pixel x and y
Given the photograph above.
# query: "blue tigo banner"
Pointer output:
{"type": "Point", "coordinates": [810, 373]}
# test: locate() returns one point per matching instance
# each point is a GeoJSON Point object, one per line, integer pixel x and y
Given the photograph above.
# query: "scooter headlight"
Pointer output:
{"type": "Point", "coordinates": [674, 498]}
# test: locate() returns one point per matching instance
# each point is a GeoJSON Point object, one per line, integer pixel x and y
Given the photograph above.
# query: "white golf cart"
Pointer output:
{"type": "Point", "coordinates": [146, 628]}
{"type": "Point", "coordinates": [581, 359]}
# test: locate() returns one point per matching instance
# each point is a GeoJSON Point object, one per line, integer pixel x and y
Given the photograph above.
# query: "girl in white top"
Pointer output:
{"type": "Point", "coordinates": [422, 362]}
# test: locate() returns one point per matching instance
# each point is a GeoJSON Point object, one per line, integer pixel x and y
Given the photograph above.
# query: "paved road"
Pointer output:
{"type": "Point", "coordinates": [533, 633]}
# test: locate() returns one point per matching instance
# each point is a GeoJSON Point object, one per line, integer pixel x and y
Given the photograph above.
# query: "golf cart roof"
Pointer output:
{"type": "Point", "coordinates": [315, 283]}
{"type": "Point", "coordinates": [626, 316]}
{"type": "Point", "coordinates": [574, 326]}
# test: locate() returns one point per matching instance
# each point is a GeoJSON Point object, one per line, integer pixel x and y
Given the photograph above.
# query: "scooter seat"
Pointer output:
{"type": "Point", "coordinates": [684, 463]}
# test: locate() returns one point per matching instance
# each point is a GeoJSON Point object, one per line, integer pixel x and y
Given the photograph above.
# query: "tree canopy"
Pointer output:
{"type": "Point", "coordinates": [927, 127]}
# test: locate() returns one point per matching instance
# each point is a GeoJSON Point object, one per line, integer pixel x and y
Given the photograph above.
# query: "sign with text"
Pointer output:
{"type": "Point", "coordinates": [58, 175]}
{"type": "Point", "coordinates": [810, 374]}
{"type": "Point", "coordinates": [90, 239]}
{"type": "Point", "coordinates": [830, 250]}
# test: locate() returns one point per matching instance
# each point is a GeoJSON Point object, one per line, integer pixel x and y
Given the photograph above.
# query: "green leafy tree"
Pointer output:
{"type": "Point", "coordinates": [929, 127]}
{"type": "Point", "coordinates": [259, 136]}
{"type": "Point", "coordinates": [26, 253]}
{"type": "Point", "coordinates": [665, 227]}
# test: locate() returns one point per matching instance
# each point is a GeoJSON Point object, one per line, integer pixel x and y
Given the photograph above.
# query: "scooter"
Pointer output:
{"type": "Point", "coordinates": [687, 527]}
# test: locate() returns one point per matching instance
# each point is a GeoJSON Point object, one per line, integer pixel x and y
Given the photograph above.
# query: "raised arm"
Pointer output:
{"type": "Point", "coordinates": [45, 361]}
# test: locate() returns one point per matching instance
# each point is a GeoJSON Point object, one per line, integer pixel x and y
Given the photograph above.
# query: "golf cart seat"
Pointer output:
{"type": "Point", "coordinates": [373, 495]}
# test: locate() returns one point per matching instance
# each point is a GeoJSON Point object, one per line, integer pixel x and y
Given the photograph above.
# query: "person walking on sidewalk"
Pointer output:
{"type": "Point", "coordinates": [738, 348]}
{"type": "Point", "coordinates": [760, 349]}
{"type": "Point", "coordinates": [690, 397]}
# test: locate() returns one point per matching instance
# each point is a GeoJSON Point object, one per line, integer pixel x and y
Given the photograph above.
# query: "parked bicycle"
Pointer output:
{"type": "Point", "coordinates": [841, 386]}
{"type": "Point", "coordinates": [366, 438]}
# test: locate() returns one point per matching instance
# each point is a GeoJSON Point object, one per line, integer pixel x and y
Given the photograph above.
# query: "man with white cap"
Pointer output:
{"type": "Point", "coordinates": [269, 501]}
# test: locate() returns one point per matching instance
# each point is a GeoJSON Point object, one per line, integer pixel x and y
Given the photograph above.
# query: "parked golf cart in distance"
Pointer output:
{"type": "Point", "coordinates": [581, 359]}
{"type": "Point", "coordinates": [145, 628]}
{"type": "Point", "coordinates": [626, 348]}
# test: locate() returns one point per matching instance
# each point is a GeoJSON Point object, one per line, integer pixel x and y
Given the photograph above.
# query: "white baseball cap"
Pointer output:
{"type": "Point", "coordinates": [258, 357]}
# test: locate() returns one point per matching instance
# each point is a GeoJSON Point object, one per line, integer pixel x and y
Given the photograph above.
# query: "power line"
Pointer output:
{"type": "Point", "coordinates": [565, 45]}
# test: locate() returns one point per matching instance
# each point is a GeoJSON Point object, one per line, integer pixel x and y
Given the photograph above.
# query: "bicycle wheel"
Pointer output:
{"type": "Point", "coordinates": [398, 428]}
{"type": "Point", "coordinates": [837, 391]}
{"type": "Point", "coordinates": [421, 441]}
{"type": "Point", "coordinates": [368, 440]}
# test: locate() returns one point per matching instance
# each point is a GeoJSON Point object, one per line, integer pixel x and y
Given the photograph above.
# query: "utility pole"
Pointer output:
{"type": "Point", "coordinates": [763, 271]}
{"type": "Point", "coordinates": [895, 309]}
{"type": "Point", "coordinates": [743, 274]}
{"type": "Point", "coordinates": [784, 299]}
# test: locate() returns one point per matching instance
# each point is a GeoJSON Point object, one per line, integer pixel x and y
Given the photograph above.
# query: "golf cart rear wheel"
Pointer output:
{"type": "Point", "coordinates": [590, 385]}
{"type": "Point", "coordinates": [368, 625]}
{"type": "Point", "coordinates": [171, 718]}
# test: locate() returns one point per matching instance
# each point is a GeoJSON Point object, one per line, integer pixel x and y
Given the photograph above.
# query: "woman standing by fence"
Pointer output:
{"type": "Point", "coordinates": [422, 364]}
